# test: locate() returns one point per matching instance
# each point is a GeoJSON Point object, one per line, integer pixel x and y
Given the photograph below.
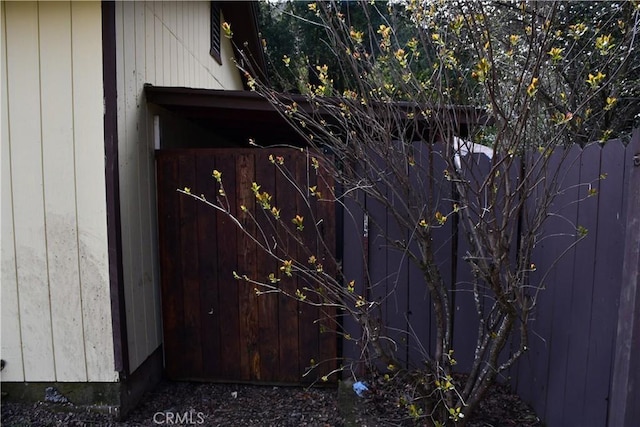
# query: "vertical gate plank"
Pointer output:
{"type": "Point", "coordinates": [326, 213]}
{"type": "Point", "coordinates": [247, 302]}
{"type": "Point", "coordinates": [209, 307]}
{"type": "Point", "coordinates": [229, 289]}
{"type": "Point", "coordinates": [172, 301]}
{"type": "Point", "coordinates": [192, 344]}
{"type": "Point", "coordinates": [287, 307]}
{"type": "Point", "coordinates": [308, 332]}
{"type": "Point", "coordinates": [267, 303]}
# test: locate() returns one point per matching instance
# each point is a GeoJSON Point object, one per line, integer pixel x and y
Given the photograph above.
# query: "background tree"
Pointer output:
{"type": "Point", "coordinates": [296, 43]}
{"type": "Point", "coordinates": [534, 77]}
{"type": "Point", "coordinates": [584, 32]}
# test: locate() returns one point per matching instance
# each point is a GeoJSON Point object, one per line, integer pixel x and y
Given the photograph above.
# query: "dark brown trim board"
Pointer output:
{"type": "Point", "coordinates": [625, 385]}
{"type": "Point", "coordinates": [114, 236]}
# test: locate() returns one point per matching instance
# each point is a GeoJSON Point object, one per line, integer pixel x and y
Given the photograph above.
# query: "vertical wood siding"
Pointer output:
{"type": "Point", "coordinates": [165, 44]}
{"type": "Point", "coordinates": [56, 320]}
{"type": "Point", "coordinates": [11, 333]}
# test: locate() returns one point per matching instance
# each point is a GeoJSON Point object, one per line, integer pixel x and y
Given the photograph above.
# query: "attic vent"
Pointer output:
{"type": "Point", "coordinates": [215, 32]}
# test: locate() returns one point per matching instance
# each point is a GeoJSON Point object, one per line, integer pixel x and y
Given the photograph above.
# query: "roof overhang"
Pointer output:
{"type": "Point", "coordinates": [234, 114]}
{"type": "Point", "coordinates": [239, 115]}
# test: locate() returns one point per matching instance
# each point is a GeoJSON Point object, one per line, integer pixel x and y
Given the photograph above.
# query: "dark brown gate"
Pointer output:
{"type": "Point", "coordinates": [215, 327]}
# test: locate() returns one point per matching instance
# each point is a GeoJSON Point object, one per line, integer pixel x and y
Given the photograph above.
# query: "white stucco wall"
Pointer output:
{"type": "Point", "coordinates": [165, 44]}
{"type": "Point", "coordinates": [56, 315]}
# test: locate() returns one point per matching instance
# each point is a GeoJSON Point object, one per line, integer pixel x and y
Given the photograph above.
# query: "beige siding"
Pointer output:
{"type": "Point", "coordinates": [56, 321]}
{"type": "Point", "coordinates": [59, 174]}
{"type": "Point", "coordinates": [165, 44]}
{"type": "Point", "coordinates": [11, 331]}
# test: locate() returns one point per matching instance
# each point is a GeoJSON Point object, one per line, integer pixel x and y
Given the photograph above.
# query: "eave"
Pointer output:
{"type": "Point", "coordinates": [239, 115]}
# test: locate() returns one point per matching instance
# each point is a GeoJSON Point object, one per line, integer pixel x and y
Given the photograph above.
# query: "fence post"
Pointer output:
{"type": "Point", "coordinates": [625, 385]}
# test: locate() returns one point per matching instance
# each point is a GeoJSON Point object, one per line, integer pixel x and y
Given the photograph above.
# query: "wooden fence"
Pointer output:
{"type": "Point", "coordinates": [567, 372]}
{"type": "Point", "coordinates": [583, 344]}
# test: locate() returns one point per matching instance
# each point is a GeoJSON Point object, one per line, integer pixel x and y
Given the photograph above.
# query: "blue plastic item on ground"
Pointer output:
{"type": "Point", "coordinates": [360, 388]}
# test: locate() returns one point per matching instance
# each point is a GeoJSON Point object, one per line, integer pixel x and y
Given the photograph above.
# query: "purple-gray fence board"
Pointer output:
{"type": "Point", "coordinates": [580, 309]}
{"type": "Point", "coordinates": [625, 394]}
{"type": "Point", "coordinates": [465, 312]}
{"type": "Point", "coordinates": [606, 283]}
{"type": "Point", "coordinates": [354, 267]}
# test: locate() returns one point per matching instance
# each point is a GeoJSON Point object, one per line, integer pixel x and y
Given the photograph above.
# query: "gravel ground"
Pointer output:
{"type": "Point", "coordinates": [175, 403]}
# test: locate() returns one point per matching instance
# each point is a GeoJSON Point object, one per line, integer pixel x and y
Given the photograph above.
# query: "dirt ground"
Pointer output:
{"type": "Point", "coordinates": [179, 403]}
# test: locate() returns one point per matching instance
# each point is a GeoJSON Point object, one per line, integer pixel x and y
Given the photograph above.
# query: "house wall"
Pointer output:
{"type": "Point", "coordinates": [165, 44]}
{"type": "Point", "coordinates": [56, 319]}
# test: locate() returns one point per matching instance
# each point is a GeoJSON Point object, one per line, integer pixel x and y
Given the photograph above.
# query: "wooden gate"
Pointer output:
{"type": "Point", "coordinates": [215, 327]}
